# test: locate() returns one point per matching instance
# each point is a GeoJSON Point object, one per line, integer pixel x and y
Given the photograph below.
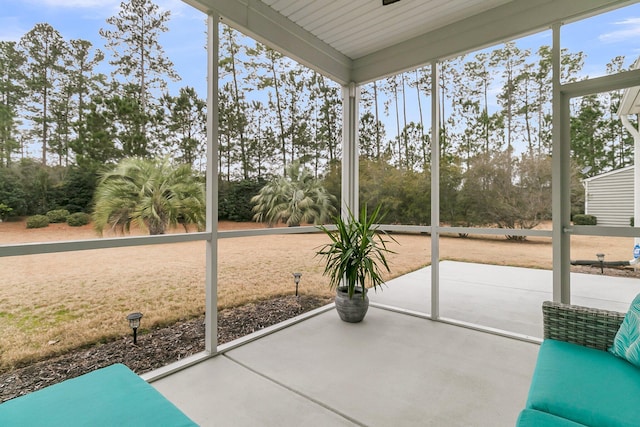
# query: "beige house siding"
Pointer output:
{"type": "Point", "coordinates": [609, 197]}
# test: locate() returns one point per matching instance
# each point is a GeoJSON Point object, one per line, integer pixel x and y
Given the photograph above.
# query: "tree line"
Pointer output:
{"type": "Point", "coordinates": [55, 99]}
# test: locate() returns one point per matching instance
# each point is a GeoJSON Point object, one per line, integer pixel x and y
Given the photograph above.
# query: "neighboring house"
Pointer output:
{"type": "Point", "coordinates": [609, 197]}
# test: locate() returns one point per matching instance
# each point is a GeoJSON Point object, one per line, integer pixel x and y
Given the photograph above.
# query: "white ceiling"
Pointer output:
{"type": "Point", "coordinates": [361, 40]}
{"type": "Point", "coordinates": [360, 27]}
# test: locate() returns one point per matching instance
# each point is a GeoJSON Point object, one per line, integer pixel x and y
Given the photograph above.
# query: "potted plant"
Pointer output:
{"type": "Point", "coordinates": [355, 258]}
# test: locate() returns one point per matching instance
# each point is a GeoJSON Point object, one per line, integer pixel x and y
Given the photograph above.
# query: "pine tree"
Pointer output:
{"type": "Point", "coordinates": [84, 83]}
{"type": "Point", "coordinates": [511, 60]}
{"type": "Point", "coordinates": [100, 135]}
{"type": "Point", "coordinates": [588, 146]}
{"type": "Point", "coordinates": [329, 108]}
{"type": "Point", "coordinates": [185, 118]}
{"type": "Point", "coordinates": [263, 142]}
{"type": "Point", "coordinates": [271, 62]}
{"type": "Point", "coordinates": [390, 89]}
{"type": "Point", "coordinates": [11, 99]}
{"type": "Point", "coordinates": [297, 101]}
{"type": "Point", "coordinates": [622, 146]}
{"type": "Point", "coordinates": [230, 65]}
{"type": "Point", "coordinates": [43, 47]}
{"type": "Point", "coordinates": [136, 51]}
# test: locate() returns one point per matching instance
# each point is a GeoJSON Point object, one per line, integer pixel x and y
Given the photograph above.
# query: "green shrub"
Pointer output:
{"type": "Point", "coordinates": [58, 215]}
{"type": "Point", "coordinates": [5, 211]}
{"type": "Point", "coordinates": [37, 221]}
{"type": "Point", "coordinates": [234, 199]}
{"type": "Point", "coordinates": [581, 219]}
{"type": "Point", "coordinates": [12, 193]}
{"type": "Point", "coordinates": [78, 219]}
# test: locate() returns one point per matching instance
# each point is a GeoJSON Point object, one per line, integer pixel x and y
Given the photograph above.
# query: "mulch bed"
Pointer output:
{"type": "Point", "coordinates": [157, 348]}
{"type": "Point", "coordinates": [608, 271]}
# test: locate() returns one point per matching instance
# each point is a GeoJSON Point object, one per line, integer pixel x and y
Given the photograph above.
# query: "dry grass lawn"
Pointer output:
{"type": "Point", "coordinates": [55, 302]}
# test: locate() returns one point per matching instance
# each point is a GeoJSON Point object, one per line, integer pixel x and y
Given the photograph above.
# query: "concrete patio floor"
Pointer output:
{"type": "Point", "coordinates": [506, 298]}
{"type": "Point", "coordinates": [392, 369]}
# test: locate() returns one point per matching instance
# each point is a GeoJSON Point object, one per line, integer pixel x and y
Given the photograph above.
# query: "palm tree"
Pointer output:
{"type": "Point", "coordinates": [293, 199]}
{"type": "Point", "coordinates": [152, 193]}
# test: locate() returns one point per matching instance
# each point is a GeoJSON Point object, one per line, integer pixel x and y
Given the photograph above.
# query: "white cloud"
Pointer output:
{"type": "Point", "coordinates": [175, 6]}
{"type": "Point", "coordinates": [180, 10]}
{"type": "Point", "coordinates": [629, 29]}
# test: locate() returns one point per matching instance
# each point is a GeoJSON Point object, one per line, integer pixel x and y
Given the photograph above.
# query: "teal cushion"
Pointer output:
{"type": "Point", "coordinates": [112, 396]}
{"type": "Point", "coordinates": [533, 418]}
{"type": "Point", "coordinates": [585, 385]}
{"type": "Point", "coordinates": [627, 341]}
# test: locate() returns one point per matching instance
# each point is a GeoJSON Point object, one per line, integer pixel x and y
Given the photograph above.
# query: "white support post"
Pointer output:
{"type": "Point", "coordinates": [350, 170]}
{"type": "Point", "coordinates": [636, 170]}
{"type": "Point", "coordinates": [435, 192]}
{"type": "Point", "coordinates": [211, 272]}
{"type": "Point", "coordinates": [561, 165]}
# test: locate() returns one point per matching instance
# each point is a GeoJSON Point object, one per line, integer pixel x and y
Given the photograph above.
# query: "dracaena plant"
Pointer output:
{"type": "Point", "coordinates": [356, 255]}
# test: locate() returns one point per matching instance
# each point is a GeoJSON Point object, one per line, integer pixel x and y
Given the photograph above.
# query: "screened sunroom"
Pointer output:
{"type": "Point", "coordinates": [451, 343]}
{"type": "Point", "coordinates": [356, 43]}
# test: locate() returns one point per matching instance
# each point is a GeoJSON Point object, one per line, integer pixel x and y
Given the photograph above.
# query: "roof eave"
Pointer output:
{"type": "Point", "coordinates": [630, 104]}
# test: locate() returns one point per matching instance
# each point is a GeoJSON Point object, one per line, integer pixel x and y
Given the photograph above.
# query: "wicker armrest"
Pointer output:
{"type": "Point", "coordinates": [590, 327]}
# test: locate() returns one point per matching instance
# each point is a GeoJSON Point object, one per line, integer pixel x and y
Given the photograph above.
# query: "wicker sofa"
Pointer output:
{"type": "Point", "coordinates": [576, 382]}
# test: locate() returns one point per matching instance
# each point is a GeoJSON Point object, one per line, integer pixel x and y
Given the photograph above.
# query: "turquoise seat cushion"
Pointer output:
{"type": "Point", "coordinates": [533, 418]}
{"type": "Point", "coordinates": [585, 385]}
{"type": "Point", "coordinates": [627, 341]}
{"type": "Point", "coordinates": [112, 396]}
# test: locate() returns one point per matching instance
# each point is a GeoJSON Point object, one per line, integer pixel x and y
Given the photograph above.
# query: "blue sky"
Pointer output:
{"type": "Point", "coordinates": [183, 43]}
{"type": "Point", "coordinates": [604, 37]}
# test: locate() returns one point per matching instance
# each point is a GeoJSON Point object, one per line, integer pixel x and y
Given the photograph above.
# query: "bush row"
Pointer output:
{"type": "Point", "coordinates": [76, 219]}
{"type": "Point", "coordinates": [29, 188]}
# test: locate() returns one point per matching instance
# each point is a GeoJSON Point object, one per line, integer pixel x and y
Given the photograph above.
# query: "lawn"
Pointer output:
{"type": "Point", "coordinates": [52, 303]}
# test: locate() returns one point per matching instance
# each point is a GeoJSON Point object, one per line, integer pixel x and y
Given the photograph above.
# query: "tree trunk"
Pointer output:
{"type": "Point", "coordinates": [378, 142]}
{"type": "Point", "coordinates": [279, 112]}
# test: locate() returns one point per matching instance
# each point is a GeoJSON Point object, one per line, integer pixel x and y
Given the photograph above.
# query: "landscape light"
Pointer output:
{"type": "Point", "coordinates": [296, 279]}
{"type": "Point", "coordinates": [601, 259]}
{"type": "Point", "coordinates": [134, 322]}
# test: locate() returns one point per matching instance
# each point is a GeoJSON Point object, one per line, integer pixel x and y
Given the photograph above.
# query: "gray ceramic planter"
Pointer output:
{"type": "Point", "coordinates": [351, 310]}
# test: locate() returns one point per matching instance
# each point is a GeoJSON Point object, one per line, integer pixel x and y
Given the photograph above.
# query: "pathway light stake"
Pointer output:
{"type": "Point", "coordinates": [601, 259]}
{"type": "Point", "coordinates": [296, 279]}
{"type": "Point", "coordinates": [134, 322]}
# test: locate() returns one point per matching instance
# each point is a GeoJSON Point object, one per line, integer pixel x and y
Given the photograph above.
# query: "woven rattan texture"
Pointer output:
{"type": "Point", "coordinates": [590, 327]}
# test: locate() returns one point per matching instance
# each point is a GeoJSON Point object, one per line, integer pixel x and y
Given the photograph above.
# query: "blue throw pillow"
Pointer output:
{"type": "Point", "coordinates": [627, 341]}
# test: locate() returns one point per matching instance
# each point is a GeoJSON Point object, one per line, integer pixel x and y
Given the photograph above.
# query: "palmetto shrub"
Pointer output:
{"type": "Point", "coordinates": [293, 199]}
{"type": "Point", "coordinates": [154, 194]}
